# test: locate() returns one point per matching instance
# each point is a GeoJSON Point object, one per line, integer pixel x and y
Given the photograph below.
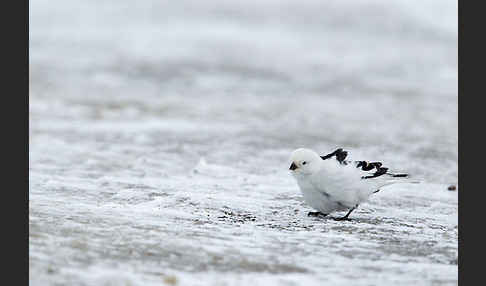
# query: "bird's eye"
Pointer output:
{"type": "Point", "coordinates": [303, 163]}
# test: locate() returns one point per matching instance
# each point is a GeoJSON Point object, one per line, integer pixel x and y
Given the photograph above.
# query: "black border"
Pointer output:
{"type": "Point", "coordinates": [471, 144]}
{"type": "Point", "coordinates": [14, 21]}
{"type": "Point", "coordinates": [460, 85]}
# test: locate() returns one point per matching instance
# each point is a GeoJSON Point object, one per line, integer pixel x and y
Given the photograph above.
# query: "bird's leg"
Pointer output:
{"type": "Point", "coordinates": [316, 214]}
{"type": "Point", "coordinates": [346, 216]}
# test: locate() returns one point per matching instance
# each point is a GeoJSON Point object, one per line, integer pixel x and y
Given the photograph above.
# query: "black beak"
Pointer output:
{"type": "Point", "coordinates": [293, 166]}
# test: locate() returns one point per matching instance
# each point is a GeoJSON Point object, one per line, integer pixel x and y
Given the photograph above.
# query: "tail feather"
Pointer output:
{"type": "Point", "coordinates": [405, 181]}
{"type": "Point", "coordinates": [399, 175]}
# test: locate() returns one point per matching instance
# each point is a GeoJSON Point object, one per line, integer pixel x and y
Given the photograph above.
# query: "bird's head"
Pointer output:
{"type": "Point", "coordinates": [304, 162]}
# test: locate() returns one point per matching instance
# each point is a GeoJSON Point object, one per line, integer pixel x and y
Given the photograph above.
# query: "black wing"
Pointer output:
{"type": "Point", "coordinates": [341, 155]}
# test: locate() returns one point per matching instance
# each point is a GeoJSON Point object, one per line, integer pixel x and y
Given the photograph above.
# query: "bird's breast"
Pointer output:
{"type": "Point", "coordinates": [318, 199]}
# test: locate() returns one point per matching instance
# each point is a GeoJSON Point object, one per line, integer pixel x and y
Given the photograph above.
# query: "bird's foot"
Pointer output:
{"type": "Point", "coordinates": [316, 214]}
{"type": "Point", "coordinates": [346, 216]}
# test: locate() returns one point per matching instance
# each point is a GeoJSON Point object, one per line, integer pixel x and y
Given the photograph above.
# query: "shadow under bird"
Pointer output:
{"type": "Point", "coordinates": [331, 183]}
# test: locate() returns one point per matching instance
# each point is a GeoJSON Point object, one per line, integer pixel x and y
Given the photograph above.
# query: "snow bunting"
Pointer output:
{"type": "Point", "coordinates": [331, 183]}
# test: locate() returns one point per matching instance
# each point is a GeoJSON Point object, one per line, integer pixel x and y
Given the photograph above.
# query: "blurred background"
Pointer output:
{"type": "Point", "coordinates": [137, 108]}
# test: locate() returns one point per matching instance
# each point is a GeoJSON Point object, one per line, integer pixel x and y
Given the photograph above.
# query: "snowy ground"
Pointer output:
{"type": "Point", "coordinates": [160, 134]}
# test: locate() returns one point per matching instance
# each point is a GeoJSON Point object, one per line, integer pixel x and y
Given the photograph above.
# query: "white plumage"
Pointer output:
{"type": "Point", "coordinates": [330, 183]}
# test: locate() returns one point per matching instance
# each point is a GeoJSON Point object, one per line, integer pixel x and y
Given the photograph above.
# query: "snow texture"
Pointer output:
{"type": "Point", "coordinates": [160, 133]}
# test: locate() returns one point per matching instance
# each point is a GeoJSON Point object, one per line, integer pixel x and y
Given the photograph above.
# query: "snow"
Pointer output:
{"type": "Point", "coordinates": [160, 134]}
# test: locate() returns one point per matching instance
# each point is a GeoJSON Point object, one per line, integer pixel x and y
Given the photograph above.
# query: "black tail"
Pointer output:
{"type": "Point", "coordinates": [402, 175]}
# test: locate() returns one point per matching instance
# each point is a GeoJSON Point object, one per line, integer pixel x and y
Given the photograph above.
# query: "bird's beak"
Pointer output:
{"type": "Point", "coordinates": [293, 166]}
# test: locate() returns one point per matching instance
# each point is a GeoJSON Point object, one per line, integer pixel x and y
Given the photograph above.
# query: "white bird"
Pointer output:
{"type": "Point", "coordinates": [330, 183]}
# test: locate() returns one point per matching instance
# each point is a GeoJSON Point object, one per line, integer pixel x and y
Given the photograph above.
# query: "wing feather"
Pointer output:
{"type": "Point", "coordinates": [375, 167]}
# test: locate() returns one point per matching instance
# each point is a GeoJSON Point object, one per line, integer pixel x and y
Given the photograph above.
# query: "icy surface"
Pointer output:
{"type": "Point", "coordinates": [160, 133]}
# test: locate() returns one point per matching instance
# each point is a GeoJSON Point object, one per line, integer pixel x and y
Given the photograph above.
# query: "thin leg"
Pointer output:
{"type": "Point", "coordinates": [346, 216]}
{"type": "Point", "coordinates": [316, 214]}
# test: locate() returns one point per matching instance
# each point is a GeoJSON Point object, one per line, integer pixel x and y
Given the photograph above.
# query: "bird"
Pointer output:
{"type": "Point", "coordinates": [331, 183]}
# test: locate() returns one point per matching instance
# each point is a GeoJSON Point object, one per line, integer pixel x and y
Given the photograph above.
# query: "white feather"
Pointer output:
{"type": "Point", "coordinates": [329, 186]}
